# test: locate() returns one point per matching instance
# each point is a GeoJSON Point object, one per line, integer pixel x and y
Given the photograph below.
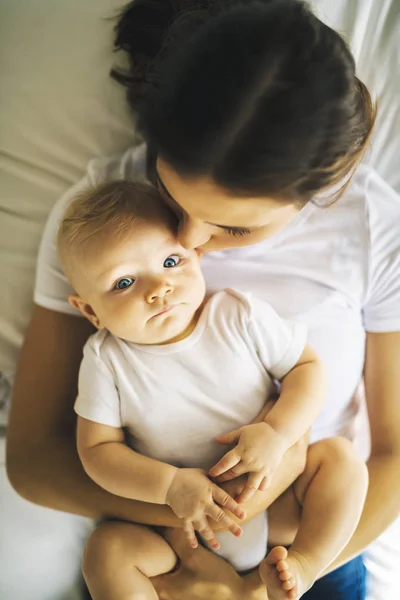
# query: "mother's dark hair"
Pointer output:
{"type": "Point", "coordinates": [259, 95]}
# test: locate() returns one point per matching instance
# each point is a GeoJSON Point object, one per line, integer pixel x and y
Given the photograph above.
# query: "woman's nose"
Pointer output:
{"type": "Point", "coordinates": [192, 234]}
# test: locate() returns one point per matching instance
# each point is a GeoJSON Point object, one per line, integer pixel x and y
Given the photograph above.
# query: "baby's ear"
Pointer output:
{"type": "Point", "coordinates": [76, 301]}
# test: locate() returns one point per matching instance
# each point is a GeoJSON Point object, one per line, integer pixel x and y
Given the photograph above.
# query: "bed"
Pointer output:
{"type": "Point", "coordinates": [59, 109]}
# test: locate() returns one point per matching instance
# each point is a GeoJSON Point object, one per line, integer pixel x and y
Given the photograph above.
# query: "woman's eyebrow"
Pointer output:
{"type": "Point", "coordinates": [164, 189]}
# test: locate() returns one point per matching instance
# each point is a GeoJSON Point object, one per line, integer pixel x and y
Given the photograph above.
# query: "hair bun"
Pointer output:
{"type": "Point", "coordinates": [143, 31]}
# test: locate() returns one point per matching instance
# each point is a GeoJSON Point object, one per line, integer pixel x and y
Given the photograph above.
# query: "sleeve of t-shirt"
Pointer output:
{"type": "Point", "coordinates": [381, 311]}
{"type": "Point", "coordinates": [98, 398]}
{"type": "Point", "coordinates": [279, 342]}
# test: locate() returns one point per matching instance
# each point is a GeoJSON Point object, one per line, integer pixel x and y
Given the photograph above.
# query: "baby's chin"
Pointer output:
{"type": "Point", "coordinates": [149, 337]}
{"type": "Point", "coordinates": [167, 328]}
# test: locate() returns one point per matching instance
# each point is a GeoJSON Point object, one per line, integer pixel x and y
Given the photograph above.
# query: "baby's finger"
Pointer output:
{"type": "Point", "coordinates": [264, 485]}
{"type": "Point", "coordinates": [226, 501]}
{"type": "Point", "coordinates": [206, 532]}
{"type": "Point", "coordinates": [216, 513]}
{"type": "Point", "coordinates": [228, 461]}
{"type": "Point", "coordinates": [190, 534]}
{"type": "Point", "coordinates": [236, 471]}
{"type": "Point", "coordinates": [253, 483]}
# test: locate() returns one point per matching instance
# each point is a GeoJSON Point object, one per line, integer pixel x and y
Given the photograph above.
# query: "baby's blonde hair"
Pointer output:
{"type": "Point", "coordinates": [112, 207]}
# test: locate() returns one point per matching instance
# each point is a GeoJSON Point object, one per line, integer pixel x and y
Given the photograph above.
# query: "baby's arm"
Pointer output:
{"type": "Point", "coordinates": [302, 396]}
{"type": "Point", "coordinates": [124, 472]}
{"type": "Point", "coordinates": [261, 446]}
{"type": "Point", "coordinates": [117, 468]}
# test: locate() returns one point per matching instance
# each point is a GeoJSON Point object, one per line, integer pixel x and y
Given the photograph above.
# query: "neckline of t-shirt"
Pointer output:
{"type": "Point", "coordinates": [181, 345]}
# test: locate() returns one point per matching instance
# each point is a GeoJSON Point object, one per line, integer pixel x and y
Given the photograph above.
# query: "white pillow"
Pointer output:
{"type": "Point", "coordinates": [59, 108]}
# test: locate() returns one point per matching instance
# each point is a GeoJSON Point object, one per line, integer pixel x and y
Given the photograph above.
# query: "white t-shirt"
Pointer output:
{"type": "Point", "coordinates": [174, 399]}
{"type": "Point", "coordinates": [335, 268]}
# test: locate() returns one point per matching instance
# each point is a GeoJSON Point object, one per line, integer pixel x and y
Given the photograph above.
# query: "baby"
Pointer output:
{"type": "Point", "coordinates": [169, 378]}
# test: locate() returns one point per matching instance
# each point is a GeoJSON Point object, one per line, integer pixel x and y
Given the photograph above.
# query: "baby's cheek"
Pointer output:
{"type": "Point", "coordinates": [122, 313]}
{"type": "Point", "coordinates": [198, 288]}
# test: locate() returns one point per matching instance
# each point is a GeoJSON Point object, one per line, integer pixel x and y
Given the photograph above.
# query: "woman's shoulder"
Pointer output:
{"type": "Point", "coordinates": [366, 209]}
{"type": "Point", "coordinates": [129, 165]}
{"type": "Point", "coordinates": [380, 204]}
{"type": "Point", "coordinates": [374, 196]}
{"type": "Point", "coordinates": [51, 286]}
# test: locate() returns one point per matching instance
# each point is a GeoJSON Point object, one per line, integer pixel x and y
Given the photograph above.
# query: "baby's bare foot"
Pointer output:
{"type": "Point", "coordinates": [287, 574]}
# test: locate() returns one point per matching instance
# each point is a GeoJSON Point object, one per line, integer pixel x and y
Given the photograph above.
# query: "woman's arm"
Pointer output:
{"type": "Point", "coordinates": [42, 459]}
{"type": "Point", "coordinates": [382, 388]}
{"type": "Point", "coordinates": [301, 399]}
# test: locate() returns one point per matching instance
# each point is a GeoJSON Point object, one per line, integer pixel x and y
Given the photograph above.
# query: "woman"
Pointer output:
{"type": "Point", "coordinates": [255, 123]}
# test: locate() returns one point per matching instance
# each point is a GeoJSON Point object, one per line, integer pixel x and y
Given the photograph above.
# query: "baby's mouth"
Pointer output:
{"type": "Point", "coordinates": [164, 310]}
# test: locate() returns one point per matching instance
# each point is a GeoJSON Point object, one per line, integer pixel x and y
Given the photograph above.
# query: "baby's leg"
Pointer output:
{"type": "Point", "coordinates": [332, 492]}
{"type": "Point", "coordinates": [120, 557]}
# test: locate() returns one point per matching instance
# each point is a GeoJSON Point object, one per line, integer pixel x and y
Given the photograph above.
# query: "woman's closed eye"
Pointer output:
{"type": "Point", "coordinates": [236, 231]}
{"type": "Point", "coordinates": [124, 283]}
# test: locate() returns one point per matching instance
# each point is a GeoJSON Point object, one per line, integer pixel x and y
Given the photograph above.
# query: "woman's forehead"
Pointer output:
{"type": "Point", "coordinates": [201, 198]}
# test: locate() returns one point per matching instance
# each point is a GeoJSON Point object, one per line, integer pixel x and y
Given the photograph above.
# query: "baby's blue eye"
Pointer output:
{"type": "Point", "coordinates": [172, 261]}
{"type": "Point", "coordinates": [124, 283]}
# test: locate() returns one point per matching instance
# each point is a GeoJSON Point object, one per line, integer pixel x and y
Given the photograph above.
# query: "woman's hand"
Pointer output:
{"type": "Point", "coordinates": [204, 576]}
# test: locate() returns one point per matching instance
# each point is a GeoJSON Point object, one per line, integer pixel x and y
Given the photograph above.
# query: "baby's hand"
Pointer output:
{"type": "Point", "coordinates": [194, 498]}
{"type": "Point", "coordinates": [259, 451]}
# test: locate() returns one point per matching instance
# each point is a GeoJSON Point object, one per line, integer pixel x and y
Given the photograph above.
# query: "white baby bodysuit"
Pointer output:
{"type": "Point", "coordinates": [174, 399]}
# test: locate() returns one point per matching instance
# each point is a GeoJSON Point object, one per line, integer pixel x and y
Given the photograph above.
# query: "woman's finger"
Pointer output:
{"type": "Point", "coordinates": [228, 461]}
{"type": "Point", "coordinates": [225, 501]}
{"type": "Point", "coordinates": [204, 528]}
{"type": "Point", "coordinates": [190, 533]}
